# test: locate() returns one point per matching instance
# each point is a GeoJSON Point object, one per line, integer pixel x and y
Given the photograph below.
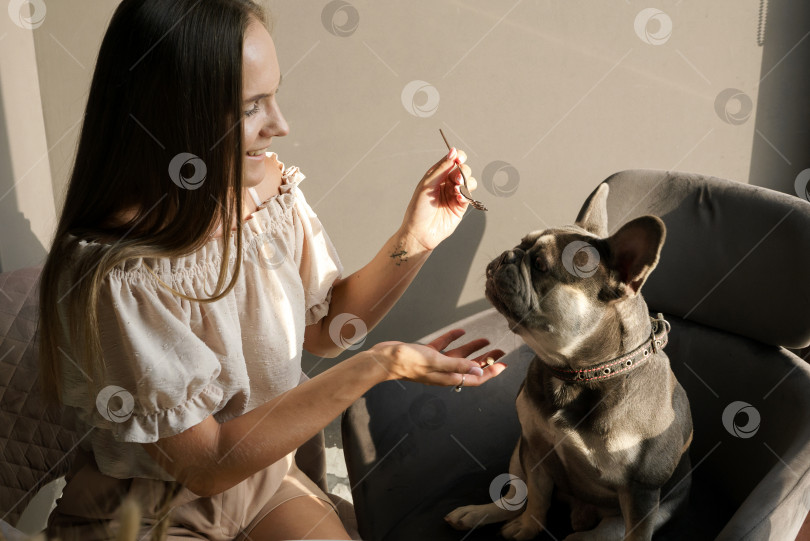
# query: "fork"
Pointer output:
{"type": "Point", "coordinates": [463, 187]}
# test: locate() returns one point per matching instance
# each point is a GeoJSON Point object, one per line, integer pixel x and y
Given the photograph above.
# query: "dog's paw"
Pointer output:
{"type": "Point", "coordinates": [521, 528]}
{"type": "Point", "coordinates": [467, 517]}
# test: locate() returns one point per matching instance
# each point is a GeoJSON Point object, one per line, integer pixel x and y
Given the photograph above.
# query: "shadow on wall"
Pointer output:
{"type": "Point", "coordinates": [431, 301]}
{"type": "Point", "coordinates": [782, 134]}
{"type": "Point", "coordinates": [19, 246]}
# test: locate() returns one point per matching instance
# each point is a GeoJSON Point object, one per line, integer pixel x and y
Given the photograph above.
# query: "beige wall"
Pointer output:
{"type": "Point", "coordinates": [565, 92]}
{"type": "Point", "coordinates": [26, 197]}
{"type": "Point", "coordinates": [45, 73]}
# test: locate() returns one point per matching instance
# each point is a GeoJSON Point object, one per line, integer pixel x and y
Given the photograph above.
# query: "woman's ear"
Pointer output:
{"type": "Point", "coordinates": [634, 252]}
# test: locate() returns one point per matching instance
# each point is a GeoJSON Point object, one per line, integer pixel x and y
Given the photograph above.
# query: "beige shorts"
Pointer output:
{"type": "Point", "coordinates": [87, 510]}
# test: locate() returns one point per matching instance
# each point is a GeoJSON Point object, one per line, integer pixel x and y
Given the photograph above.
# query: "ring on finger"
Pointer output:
{"type": "Point", "coordinates": [458, 387]}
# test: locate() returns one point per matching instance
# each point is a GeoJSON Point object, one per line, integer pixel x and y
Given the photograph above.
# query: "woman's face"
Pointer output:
{"type": "Point", "coordinates": [263, 119]}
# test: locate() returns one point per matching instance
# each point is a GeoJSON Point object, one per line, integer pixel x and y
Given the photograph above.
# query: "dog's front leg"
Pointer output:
{"type": "Point", "coordinates": [540, 485]}
{"type": "Point", "coordinates": [509, 506]}
{"type": "Point", "coordinates": [639, 506]}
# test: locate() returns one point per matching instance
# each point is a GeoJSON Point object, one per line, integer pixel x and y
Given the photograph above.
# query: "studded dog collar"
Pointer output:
{"type": "Point", "coordinates": [621, 365]}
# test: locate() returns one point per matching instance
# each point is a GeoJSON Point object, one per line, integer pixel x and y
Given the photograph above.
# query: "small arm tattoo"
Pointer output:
{"type": "Point", "coordinates": [399, 255]}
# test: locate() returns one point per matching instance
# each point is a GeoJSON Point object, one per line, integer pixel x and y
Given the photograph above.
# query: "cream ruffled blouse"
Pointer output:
{"type": "Point", "coordinates": [172, 362]}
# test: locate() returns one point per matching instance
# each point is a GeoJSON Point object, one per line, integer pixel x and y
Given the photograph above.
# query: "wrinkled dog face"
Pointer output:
{"type": "Point", "coordinates": [549, 288]}
{"type": "Point", "coordinates": [557, 285]}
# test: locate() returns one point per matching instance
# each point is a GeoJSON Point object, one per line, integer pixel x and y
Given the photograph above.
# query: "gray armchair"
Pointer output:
{"type": "Point", "coordinates": [733, 283]}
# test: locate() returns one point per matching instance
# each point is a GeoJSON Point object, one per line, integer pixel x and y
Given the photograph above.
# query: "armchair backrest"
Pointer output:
{"type": "Point", "coordinates": [36, 439]}
{"type": "Point", "coordinates": [735, 258]}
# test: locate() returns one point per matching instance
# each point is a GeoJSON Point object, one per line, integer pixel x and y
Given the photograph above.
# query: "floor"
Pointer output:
{"type": "Point", "coordinates": [337, 478]}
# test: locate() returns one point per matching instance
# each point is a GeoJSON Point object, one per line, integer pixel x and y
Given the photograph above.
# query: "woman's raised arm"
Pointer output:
{"type": "Point", "coordinates": [434, 212]}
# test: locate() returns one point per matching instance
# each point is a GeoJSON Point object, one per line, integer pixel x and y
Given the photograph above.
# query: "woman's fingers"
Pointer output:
{"type": "Point", "coordinates": [469, 347]}
{"type": "Point", "coordinates": [494, 355]}
{"type": "Point", "coordinates": [446, 164]}
{"type": "Point", "coordinates": [472, 184]}
{"type": "Point", "coordinates": [472, 367]}
{"type": "Point", "coordinates": [490, 372]}
{"type": "Point", "coordinates": [458, 180]}
{"type": "Point", "coordinates": [446, 339]}
{"type": "Point", "coordinates": [453, 379]}
{"type": "Point", "coordinates": [477, 371]}
{"type": "Point", "coordinates": [440, 343]}
{"type": "Point", "coordinates": [426, 363]}
{"type": "Point", "coordinates": [456, 176]}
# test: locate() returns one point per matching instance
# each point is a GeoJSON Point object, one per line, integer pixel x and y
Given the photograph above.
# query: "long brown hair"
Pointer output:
{"type": "Point", "coordinates": [166, 91]}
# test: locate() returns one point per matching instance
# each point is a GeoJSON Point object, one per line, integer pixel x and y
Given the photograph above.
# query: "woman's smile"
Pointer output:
{"type": "Point", "coordinates": [257, 155]}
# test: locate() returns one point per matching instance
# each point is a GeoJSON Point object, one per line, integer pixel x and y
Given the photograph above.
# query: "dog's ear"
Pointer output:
{"type": "Point", "coordinates": [593, 216]}
{"type": "Point", "coordinates": [634, 252]}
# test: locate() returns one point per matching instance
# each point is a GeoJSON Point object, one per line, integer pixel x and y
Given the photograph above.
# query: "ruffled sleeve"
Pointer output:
{"type": "Point", "coordinates": [163, 375]}
{"type": "Point", "coordinates": [319, 264]}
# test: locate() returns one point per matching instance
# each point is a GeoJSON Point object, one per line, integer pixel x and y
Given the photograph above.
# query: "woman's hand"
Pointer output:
{"type": "Point", "coordinates": [426, 364]}
{"type": "Point", "coordinates": [437, 207]}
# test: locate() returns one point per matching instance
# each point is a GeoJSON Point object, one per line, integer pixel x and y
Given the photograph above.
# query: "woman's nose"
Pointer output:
{"type": "Point", "coordinates": [283, 127]}
{"type": "Point", "coordinates": [276, 125]}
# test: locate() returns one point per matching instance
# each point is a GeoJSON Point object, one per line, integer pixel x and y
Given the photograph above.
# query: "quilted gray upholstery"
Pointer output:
{"type": "Point", "coordinates": [735, 255]}
{"type": "Point", "coordinates": [35, 438]}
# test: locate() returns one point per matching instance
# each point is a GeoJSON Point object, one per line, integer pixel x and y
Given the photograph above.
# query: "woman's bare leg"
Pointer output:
{"type": "Point", "coordinates": [304, 517]}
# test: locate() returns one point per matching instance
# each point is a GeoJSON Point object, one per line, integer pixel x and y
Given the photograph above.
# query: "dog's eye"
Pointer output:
{"type": "Point", "coordinates": [540, 264]}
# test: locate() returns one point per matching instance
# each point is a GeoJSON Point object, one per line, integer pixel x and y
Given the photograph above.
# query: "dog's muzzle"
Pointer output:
{"type": "Point", "coordinates": [506, 285]}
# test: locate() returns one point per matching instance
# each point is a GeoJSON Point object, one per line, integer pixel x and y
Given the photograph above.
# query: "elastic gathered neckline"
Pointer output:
{"type": "Point", "coordinates": [269, 216]}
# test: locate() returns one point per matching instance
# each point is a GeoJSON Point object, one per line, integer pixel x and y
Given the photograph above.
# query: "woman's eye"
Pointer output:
{"type": "Point", "coordinates": [254, 110]}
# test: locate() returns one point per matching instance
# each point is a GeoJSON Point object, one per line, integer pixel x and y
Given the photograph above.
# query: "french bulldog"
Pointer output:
{"type": "Point", "coordinates": [603, 418]}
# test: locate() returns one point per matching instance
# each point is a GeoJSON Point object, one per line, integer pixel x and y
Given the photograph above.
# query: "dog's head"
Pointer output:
{"type": "Point", "coordinates": [559, 286]}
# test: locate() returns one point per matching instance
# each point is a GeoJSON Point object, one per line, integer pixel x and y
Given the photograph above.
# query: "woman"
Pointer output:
{"type": "Point", "coordinates": [184, 343]}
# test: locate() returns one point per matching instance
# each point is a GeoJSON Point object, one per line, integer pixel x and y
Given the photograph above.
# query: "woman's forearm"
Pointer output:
{"type": "Point", "coordinates": [264, 435]}
{"type": "Point", "coordinates": [373, 290]}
